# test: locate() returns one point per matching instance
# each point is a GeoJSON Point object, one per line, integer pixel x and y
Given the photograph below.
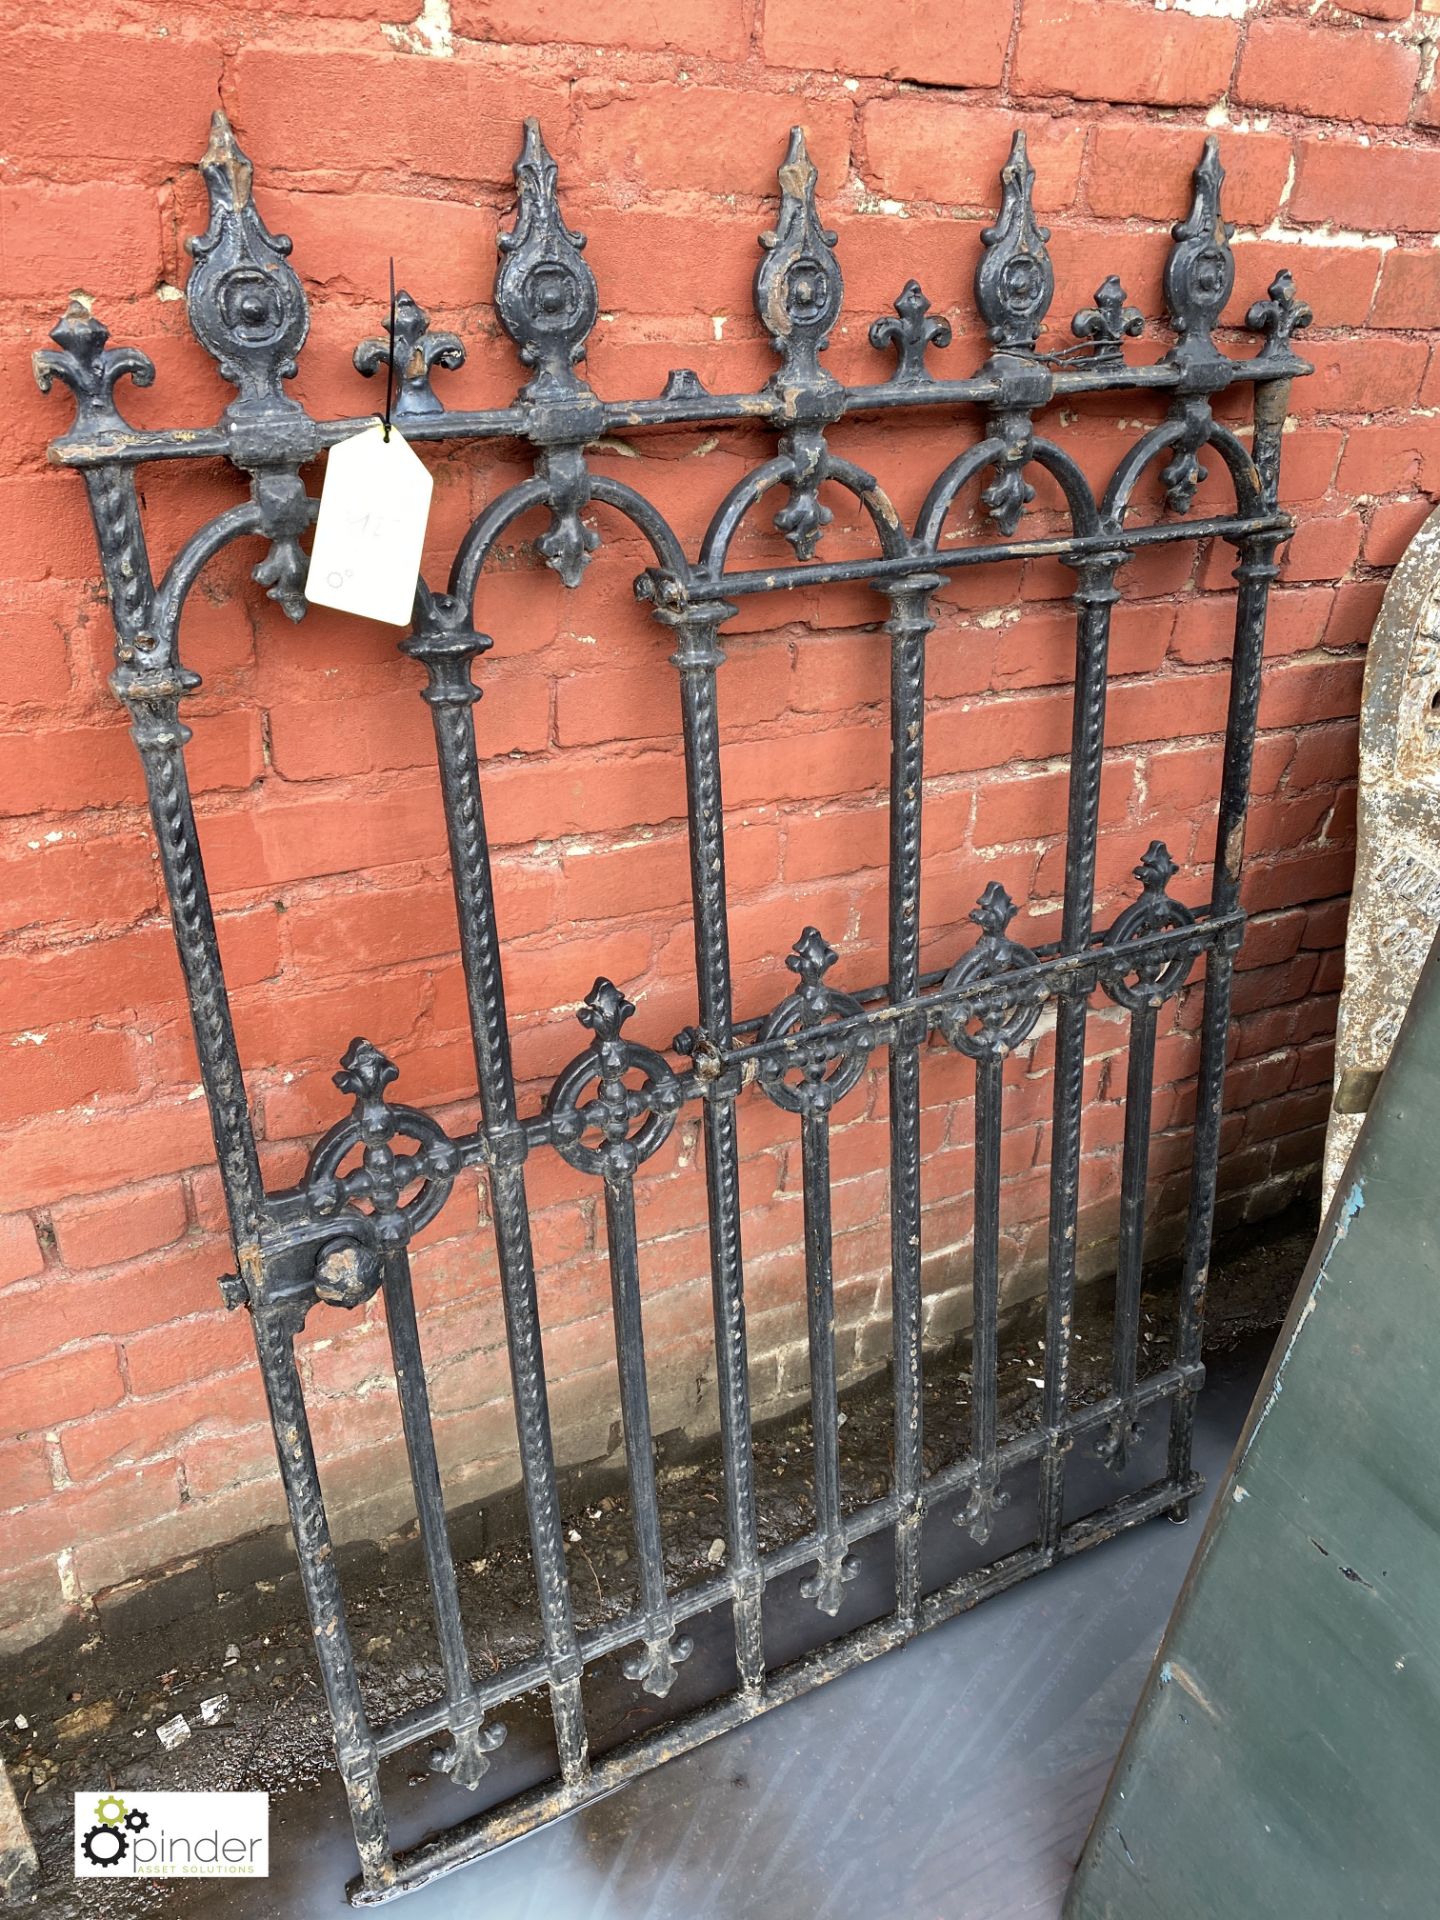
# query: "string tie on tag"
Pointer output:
{"type": "Point", "coordinates": [390, 357]}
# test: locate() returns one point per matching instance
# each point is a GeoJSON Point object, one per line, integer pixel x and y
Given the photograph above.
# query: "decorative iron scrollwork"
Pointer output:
{"type": "Point", "coordinates": [370, 1198]}
{"type": "Point", "coordinates": [827, 1069]}
{"type": "Point", "coordinates": [1199, 276]}
{"type": "Point", "coordinates": [835, 1569]}
{"type": "Point", "coordinates": [1014, 284]}
{"type": "Point", "coordinates": [654, 1666]}
{"type": "Point", "coordinates": [286, 511]}
{"type": "Point", "coordinates": [466, 1759]}
{"type": "Point", "coordinates": [1147, 980]}
{"type": "Point", "coordinates": [412, 350]}
{"type": "Point", "coordinates": [1183, 474]}
{"type": "Point", "coordinates": [247, 307]}
{"type": "Point", "coordinates": [910, 334]}
{"type": "Point", "coordinates": [992, 1023]}
{"type": "Point", "coordinates": [607, 1064]}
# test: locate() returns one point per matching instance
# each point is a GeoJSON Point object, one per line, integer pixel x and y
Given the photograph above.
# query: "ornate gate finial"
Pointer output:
{"type": "Point", "coordinates": [1201, 268]}
{"type": "Point", "coordinates": [544, 292]}
{"type": "Point", "coordinates": [1279, 318]}
{"type": "Point", "coordinates": [1014, 282]}
{"type": "Point", "coordinates": [798, 285]}
{"type": "Point", "coordinates": [247, 307]}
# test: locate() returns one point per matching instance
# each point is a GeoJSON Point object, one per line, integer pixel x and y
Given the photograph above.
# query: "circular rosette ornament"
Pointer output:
{"type": "Point", "coordinates": [636, 1095]}
{"type": "Point", "coordinates": [1149, 977]}
{"type": "Point", "coordinates": [997, 1013]}
{"type": "Point", "coordinates": [387, 1196]}
{"type": "Point", "coordinates": [817, 1067]}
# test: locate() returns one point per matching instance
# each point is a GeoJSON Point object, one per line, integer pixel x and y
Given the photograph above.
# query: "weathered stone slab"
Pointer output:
{"type": "Point", "coordinates": [1395, 910]}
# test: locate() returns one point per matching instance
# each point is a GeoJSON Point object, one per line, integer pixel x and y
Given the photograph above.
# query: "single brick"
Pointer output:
{"type": "Point", "coordinates": [1107, 50]}
{"type": "Point", "coordinates": [712, 27]}
{"type": "Point", "coordinates": [949, 43]}
{"type": "Point", "coordinates": [1380, 189]}
{"type": "Point", "coordinates": [84, 93]}
{"type": "Point", "coordinates": [1303, 67]}
{"type": "Point", "coordinates": [1409, 293]}
{"type": "Point", "coordinates": [105, 232]}
{"type": "Point", "coordinates": [715, 140]}
{"type": "Point", "coordinates": [66, 1387]}
{"type": "Point", "coordinates": [116, 1226]}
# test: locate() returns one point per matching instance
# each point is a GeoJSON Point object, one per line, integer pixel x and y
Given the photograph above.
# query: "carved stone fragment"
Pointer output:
{"type": "Point", "coordinates": [1395, 908]}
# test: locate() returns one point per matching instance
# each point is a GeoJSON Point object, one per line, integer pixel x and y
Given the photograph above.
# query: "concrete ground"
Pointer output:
{"type": "Point", "coordinates": [952, 1780]}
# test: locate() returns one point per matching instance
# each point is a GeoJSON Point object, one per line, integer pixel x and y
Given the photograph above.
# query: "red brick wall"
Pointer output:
{"type": "Point", "coordinates": [137, 1416]}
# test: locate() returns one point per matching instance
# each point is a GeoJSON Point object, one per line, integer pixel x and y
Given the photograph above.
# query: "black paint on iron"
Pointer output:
{"type": "Point", "coordinates": [342, 1234]}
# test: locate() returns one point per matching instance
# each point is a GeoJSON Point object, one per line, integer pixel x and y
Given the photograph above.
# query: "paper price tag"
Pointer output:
{"type": "Point", "coordinates": [368, 538]}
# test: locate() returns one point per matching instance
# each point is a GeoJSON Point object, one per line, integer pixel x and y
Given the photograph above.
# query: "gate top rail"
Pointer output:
{"type": "Point", "coordinates": [249, 310]}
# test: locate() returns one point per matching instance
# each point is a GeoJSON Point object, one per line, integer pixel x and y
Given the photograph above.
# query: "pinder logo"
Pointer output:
{"type": "Point", "coordinates": [146, 1836]}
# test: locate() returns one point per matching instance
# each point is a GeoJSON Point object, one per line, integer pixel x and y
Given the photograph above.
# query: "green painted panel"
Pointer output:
{"type": "Point", "coordinates": [1285, 1756]}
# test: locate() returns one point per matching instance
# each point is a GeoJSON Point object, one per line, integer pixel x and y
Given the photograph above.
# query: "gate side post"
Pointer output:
{"type": "Point", "coordinates": [1255, 569]}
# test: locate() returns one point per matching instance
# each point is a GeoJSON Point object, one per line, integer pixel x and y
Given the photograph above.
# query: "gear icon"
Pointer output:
{"type": "Point", "coordinates": [102, 1813]}
{"type": "Point", "coordinates": [105, 1846]}
{"type": "Point", "coordinates": [137, 1820]}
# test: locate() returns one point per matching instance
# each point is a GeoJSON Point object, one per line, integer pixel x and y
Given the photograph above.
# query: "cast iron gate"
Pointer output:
{"type": "Point", "coordinates": [385, 1170]}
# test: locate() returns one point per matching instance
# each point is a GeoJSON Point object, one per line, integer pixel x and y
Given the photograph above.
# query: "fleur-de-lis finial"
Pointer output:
{"type": "Point", "coordinates": [798, 286]}
{"type": "Point", "coordinates": [89, 367]}
{"type": "Point", "coordinates": [811, 957]}
{"type": "Point", "coordinates": [247, 307]}
{"type": "Point", "coordinates": [1200, 271]}
{"type": "Point", "coordinates": [413, 350]}
{"type": "Point", "coordinates": [1279, 317]}
{"type": "Point", "coordinates": [545, 294]}
{"type": "Point", "coordinates": [1156, 869]}
{"type": "Point", "coordinates": [605, 1010]}
{"type": "Point", "coordinates": [1105, 325]}
{"type": "Point", "coordinates": [1014, 281]}
{"type": "Point", "coordinates": [994, 911]}
{"type": "Point", "coordinates": [910, 334]}
{"type": "Point", "coordinates": [365, 1072]}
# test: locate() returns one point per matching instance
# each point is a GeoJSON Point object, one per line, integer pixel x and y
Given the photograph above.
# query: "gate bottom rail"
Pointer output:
{"type": "Point", "coordinates": [471, 1839]}
{"type": "Point", "coordinates": [863, 1522]}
